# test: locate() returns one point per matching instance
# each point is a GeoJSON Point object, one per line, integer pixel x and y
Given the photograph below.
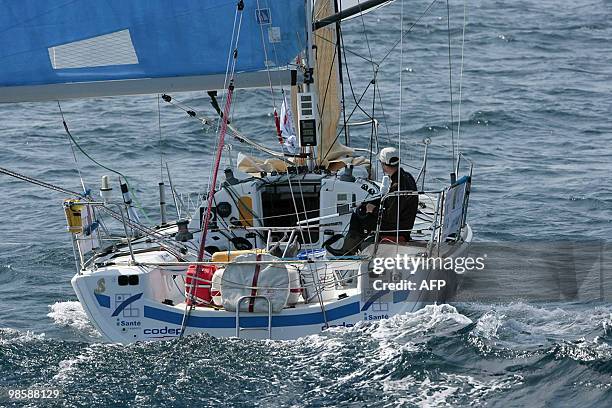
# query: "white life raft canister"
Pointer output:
{"type": "Point", "coordinates": [251, 275]}
{"type": "Point", "coordinates": [295, 285]}
{"type": "Point", "coordinates": [215, 290]}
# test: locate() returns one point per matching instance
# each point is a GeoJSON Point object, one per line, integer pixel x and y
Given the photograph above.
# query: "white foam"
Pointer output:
{"type": "Point", "coordinates": [447, 388]}
{"type": "Point", "coordinates": [432, 320]}
{"type": "Point", "coordinates": [71, 314]}
{"type": "Point", "coordinates": [68, 367]}
{"type": "Point", "coordinates": [584, 350]}
{"type": "Point", "coordinates": [546, 321]}
{"type": "Point", "coordinates": [488, 325]}
{"type": "Point", "coordinates": [8, 336]}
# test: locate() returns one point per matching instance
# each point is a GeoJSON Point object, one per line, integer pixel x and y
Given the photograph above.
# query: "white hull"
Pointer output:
{"type": "Point", "coordinates": [136, 311]}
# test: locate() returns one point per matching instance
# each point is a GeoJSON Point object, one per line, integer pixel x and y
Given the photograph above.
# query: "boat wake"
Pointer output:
{"type": "Point", "coordinates": [12, 336]}
{"type": "Point", "coordinates": [71, 314]}
{"type": "Point", "coordinates": [441, 355]}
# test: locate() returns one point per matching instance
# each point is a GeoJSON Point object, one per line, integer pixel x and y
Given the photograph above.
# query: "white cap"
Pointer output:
{"type": "Point", "coordinates": [389, 156]}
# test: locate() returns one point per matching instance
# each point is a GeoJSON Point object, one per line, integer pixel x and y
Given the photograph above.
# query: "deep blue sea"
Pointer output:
{"type": "Point", "coordinates": [536, 120]}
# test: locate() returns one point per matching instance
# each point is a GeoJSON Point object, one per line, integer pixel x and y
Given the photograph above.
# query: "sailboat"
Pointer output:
{"type": "Point", "coordinates": [253, 259]}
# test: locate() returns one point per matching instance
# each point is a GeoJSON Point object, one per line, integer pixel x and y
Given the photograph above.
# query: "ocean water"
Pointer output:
{"type": "Point", "coordinates": [535, 120]}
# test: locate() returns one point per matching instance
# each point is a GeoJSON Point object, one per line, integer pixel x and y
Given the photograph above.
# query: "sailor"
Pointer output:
{"type": "Point", "coordinates": [394, 223]}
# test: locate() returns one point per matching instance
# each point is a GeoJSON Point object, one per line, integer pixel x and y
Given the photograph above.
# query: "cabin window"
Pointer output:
{"type": "Point", "coordinates": [279, 208]}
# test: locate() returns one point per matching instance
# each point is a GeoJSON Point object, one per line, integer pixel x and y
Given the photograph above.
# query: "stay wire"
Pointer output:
{"type": "Point", "coordinates": [223, 121]}
{"type": "Point", "coordinates": [399, 126]}
{"type": "Point", "coordinates": [357, 105]}
{"type": "Point", "coordinates": [341, 76]}
{"type": "Point", "coordinates": [291, 190]}
{"type": "Point", "coordinates": [450, 85]}
{"type": "Point", "coordinates": [84, 152]}
{"type": "Point", "coordinates": [161, 149]}
{"type": "Point", "coordinates": [407, 32]}
{"type": "Point", "coordinates": [76, 161]}
{"type": "Point", "coordinates": [461, 83]}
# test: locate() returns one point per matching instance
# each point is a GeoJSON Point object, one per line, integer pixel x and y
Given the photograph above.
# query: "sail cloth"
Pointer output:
{"type": "Point", "coordinates": [327, 83]}
{"type": "Point", "coordinates": [96, 48]}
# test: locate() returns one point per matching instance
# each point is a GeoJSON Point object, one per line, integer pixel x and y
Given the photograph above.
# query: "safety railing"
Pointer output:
{"type": "Point", "coordinates": [89, 240]}
{"type": "Point", "coordinates": [442, 215]}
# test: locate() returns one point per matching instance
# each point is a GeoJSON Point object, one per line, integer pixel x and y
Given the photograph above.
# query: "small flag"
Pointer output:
{"type": "Point", "coordinates": [287, 127]}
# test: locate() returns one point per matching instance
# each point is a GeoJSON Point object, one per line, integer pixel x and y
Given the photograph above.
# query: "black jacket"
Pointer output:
{"type": "Point", "coordinates": [408, 205]}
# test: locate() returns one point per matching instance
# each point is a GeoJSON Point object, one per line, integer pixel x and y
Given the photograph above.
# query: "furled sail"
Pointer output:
{"type": "Point", "coordinates": [80, 48]}
{"type": "Point", "coordinates": [327, 83]}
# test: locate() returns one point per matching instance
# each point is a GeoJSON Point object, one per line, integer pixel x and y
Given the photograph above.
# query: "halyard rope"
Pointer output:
{"type": "Point", "coordinates": [215, 171]}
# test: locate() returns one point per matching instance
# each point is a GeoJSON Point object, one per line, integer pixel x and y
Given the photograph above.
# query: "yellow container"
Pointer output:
{"type": "Point", "coordinates": [73, 210]}
{"type": "Point", "coordinates": [227, 256]}
{"type": "Point", "coordinates": [245, 209]}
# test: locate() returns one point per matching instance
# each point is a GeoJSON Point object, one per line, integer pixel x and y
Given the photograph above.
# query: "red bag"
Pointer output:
{"type": "Point", "coordinates": [197, 288]}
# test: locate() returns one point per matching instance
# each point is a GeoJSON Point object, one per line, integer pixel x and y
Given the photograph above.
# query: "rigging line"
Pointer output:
{"type": "Point", "coordinates": [280, 140]}
{"type": "Point", "coordinates": [374, 74]}
{"type": "Point", "coordinates": [348, 50]}
{"type": "Point", "coordinates": [382, 108]}
{"type": "Point", "coordinates": [351, 114]}
{"type": "Point", "coordinates": [341, 68]}
{"type": "Point", "coordinates": [229, 54]}
{"type": "Point", "coordinates": [233, 131]}
{"type": "Point", "coordinates": [331, 71]}
{"type": "Point", "coordinates": [263, 43]}
{"type": "Point", "coordinates": [112, 213]}
{"type": "Point", "coordinates": [39, 183]}
{"type": "Point", "coordinates": [373, 130]}
{"type": "Point", "coordinates": [76, 162]}
{"type": "Point", "coordinates": [348, 75]}
{"type": "Point", "coordinates": [175, 197]}
{"type": "Point", "coordinates": [450, 85]}
{"type": "Point", "coordinates": [329, 77]}
{"type": "Point", "coordinates": [365, 34]}
{"type": "Point", "coordinates": [217, 161]}
{"type": "Point", "coordinates": [375, 86]}
{"type": "Point", "coordinates": [84, 152]}
{"type": "Point", "coordinates": [231, 50]}
{"type": "Point", "coordinates": [161, 150]}
{"type": "Point", "coordinates": [375, 68]}
{"type": "Point", "coordinates": [399, 126]}
{"type": "Point", "coordinates": [312, 268]}
{"type": "Point", "coordinates": [461, 83]}
{"type": "Point", "coordinates": [305, 212]}
{"type": "Point", "coordinates": [408, 31]}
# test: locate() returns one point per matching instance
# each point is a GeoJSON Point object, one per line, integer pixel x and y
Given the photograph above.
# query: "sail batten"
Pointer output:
{"type": "Point", "coordinates": [46, 47]}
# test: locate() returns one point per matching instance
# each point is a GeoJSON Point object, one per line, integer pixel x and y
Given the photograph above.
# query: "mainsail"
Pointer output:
{"type": "Point", "coordinates": [80, 48]}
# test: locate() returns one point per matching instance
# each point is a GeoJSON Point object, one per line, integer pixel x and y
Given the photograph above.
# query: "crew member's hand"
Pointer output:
{"type": "Point", "coordinates": [370, 208]}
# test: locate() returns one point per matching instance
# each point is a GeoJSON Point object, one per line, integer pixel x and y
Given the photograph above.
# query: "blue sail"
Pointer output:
{"type": "Point", "coordinates": [44, 44]}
